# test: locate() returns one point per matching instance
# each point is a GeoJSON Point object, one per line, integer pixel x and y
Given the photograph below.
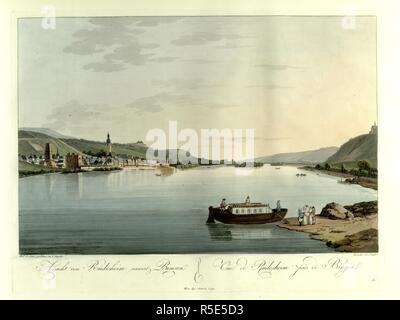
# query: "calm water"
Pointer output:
{"type": "Point", "coordinates": [137, 211]}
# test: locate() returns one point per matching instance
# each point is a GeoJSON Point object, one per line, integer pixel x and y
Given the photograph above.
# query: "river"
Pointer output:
{"type": "Point", "coordinates": [142, 212]}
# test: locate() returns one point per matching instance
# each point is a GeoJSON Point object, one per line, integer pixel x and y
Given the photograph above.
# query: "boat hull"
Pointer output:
{"type": "Point", "coordinates": [227, 217]}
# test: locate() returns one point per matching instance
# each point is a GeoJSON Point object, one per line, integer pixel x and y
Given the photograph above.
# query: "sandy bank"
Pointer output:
{"type": "Point", "coordinates": [357, 235]}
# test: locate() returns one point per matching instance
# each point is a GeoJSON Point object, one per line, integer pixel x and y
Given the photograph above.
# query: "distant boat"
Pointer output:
{"type": "Point", "coordinates": [246, 213]}
{"type": "Point", "coordinates": [158, 174]}
{"type": "Point", "coordinates": [277, 168]}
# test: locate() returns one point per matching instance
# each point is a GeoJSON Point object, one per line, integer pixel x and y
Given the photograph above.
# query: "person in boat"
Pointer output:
{"type": "Point", "coordinates": [223, 204]}
{"type": "Point", "coordinates": [278, 205]}
{"type": "Point", "coordinates": [247, 200]}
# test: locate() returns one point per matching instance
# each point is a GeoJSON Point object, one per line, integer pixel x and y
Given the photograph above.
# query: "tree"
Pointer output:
{"type": "Point", "coordinates": [101, 153]}
{"type": "Point", "coordinates": [364, 165]}
{"type": "Point", "coordinates": [318, 167]}
{"type": "Point", "coordinates": [327, 166]}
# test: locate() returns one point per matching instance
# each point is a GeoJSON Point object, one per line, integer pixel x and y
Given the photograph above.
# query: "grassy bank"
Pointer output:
{"type": "Point", "coordinates": [366, 182]}
{"type": "Point", "coordinates": [26, 169]}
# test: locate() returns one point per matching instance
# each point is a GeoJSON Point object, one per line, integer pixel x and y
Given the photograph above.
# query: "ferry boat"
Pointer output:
{"type": "Point", "coordinates": [246, 213]}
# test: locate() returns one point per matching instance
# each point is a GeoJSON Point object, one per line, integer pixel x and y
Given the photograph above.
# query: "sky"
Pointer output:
{"type": "Point", "coordinates": [301, 83]}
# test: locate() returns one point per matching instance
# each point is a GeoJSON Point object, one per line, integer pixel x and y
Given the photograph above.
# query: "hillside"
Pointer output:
{"type": "Point", "coordinates": [312, 156]}
{"type": "Point", "coordinates": [46, 131]}
{"type": "Point", "coordinates": [132, 149]}
{"type": "Point", "coordinates": [30, 142]}
{"type": "Point", "coordinates": [34, 143]}
{"type": "Point", "coordinates": [363, 147]}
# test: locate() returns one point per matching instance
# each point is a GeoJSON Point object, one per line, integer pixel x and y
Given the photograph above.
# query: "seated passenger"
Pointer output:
{"type": "Point", "coordinates": [223, 204]}
{"type": "Point", "coordinates": [247, 200]}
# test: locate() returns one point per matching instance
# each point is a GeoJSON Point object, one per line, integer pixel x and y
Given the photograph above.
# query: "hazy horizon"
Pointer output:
{"type": "Point", "coordinates": [302, 83]}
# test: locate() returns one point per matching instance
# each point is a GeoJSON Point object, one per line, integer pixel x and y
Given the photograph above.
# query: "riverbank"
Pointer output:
{"type": "Point", "coordinates": [365, 182]}
{"type": "Point", "coordinates": [356, 234]}
{"type": "Point", "coordinates": [47, 170]}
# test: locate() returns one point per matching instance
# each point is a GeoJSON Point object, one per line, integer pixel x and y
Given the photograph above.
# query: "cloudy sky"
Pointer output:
{"type": "Point", "coordinates": [300, 82]}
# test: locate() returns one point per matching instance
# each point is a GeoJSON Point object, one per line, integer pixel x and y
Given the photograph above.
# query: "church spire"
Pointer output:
{"type": "Point", "coordinates": [108, 144]}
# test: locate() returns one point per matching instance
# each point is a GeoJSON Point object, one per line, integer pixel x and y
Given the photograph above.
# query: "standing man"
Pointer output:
{"type": "Point", "coordinates": [313, 215]}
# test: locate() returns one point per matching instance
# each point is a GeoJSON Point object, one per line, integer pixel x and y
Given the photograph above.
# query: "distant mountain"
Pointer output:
{"type": "Point", "coordinates": [363, 147]}
{"type": "Point", "coordinates": [33, 142]}
{"type": "Point", "coordinates": [312, 156]}
{"type": "Point", "coordinates": [48, 132]}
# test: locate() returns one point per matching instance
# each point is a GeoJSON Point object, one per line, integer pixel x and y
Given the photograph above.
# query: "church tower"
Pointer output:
{"type": "Point", "coordinates": [108, 144]}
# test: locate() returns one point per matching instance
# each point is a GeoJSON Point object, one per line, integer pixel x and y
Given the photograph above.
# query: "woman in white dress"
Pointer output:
{"type": "Point", "coordinates": [306, 215]}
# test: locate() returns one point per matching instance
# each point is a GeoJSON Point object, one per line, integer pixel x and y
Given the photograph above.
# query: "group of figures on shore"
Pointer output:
{"type": "Point", "coordinates": [307, 215]}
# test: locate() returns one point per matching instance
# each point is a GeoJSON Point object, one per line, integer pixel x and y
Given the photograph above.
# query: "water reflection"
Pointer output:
{"type": "Point", "coordinates": [225, 232]}
{"type": "Point", "coordinates": [74, 187]}
{"type": "Point", "coordinates": [219, 232]}
{"type": "Point", "coordinates": [49, 184]}
{"type": "Point", "coordinates": [166, 171]}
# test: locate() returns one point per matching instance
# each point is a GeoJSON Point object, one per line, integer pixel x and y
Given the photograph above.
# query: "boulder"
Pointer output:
{"type": "Point", "coordinates": [335, 211]}
{"type": "Point", "coordinates": [362, 209]}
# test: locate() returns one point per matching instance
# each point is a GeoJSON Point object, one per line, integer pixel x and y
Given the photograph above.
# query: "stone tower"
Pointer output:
{"type": "Point", "coordinates": [48, 156]}
{"type": "Point", "coordinates": [374, 129]}
{"type": "Point", "coordinates": [108, 145]}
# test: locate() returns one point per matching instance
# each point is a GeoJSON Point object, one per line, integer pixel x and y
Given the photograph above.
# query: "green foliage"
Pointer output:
{"type": "Point", "coordinates": [107, 169]}
{"type": "Point", "coordinates": [364, 165]}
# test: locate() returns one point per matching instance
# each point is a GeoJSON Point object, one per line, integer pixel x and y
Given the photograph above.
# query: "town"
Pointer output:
{"type": "Point", "coordinates": [72, 162]}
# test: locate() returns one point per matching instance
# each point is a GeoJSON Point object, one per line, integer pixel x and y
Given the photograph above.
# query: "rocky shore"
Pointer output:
{"type": "Point", "coordinates": [352, 228]}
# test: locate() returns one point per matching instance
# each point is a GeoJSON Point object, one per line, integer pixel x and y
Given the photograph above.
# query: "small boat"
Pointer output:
{"type": "Point", "coordinates": [277, 168]}
{"type": "Point", "coordinates": [158, 174]}
{"type": "Point", "coordinates": [246, 213]}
